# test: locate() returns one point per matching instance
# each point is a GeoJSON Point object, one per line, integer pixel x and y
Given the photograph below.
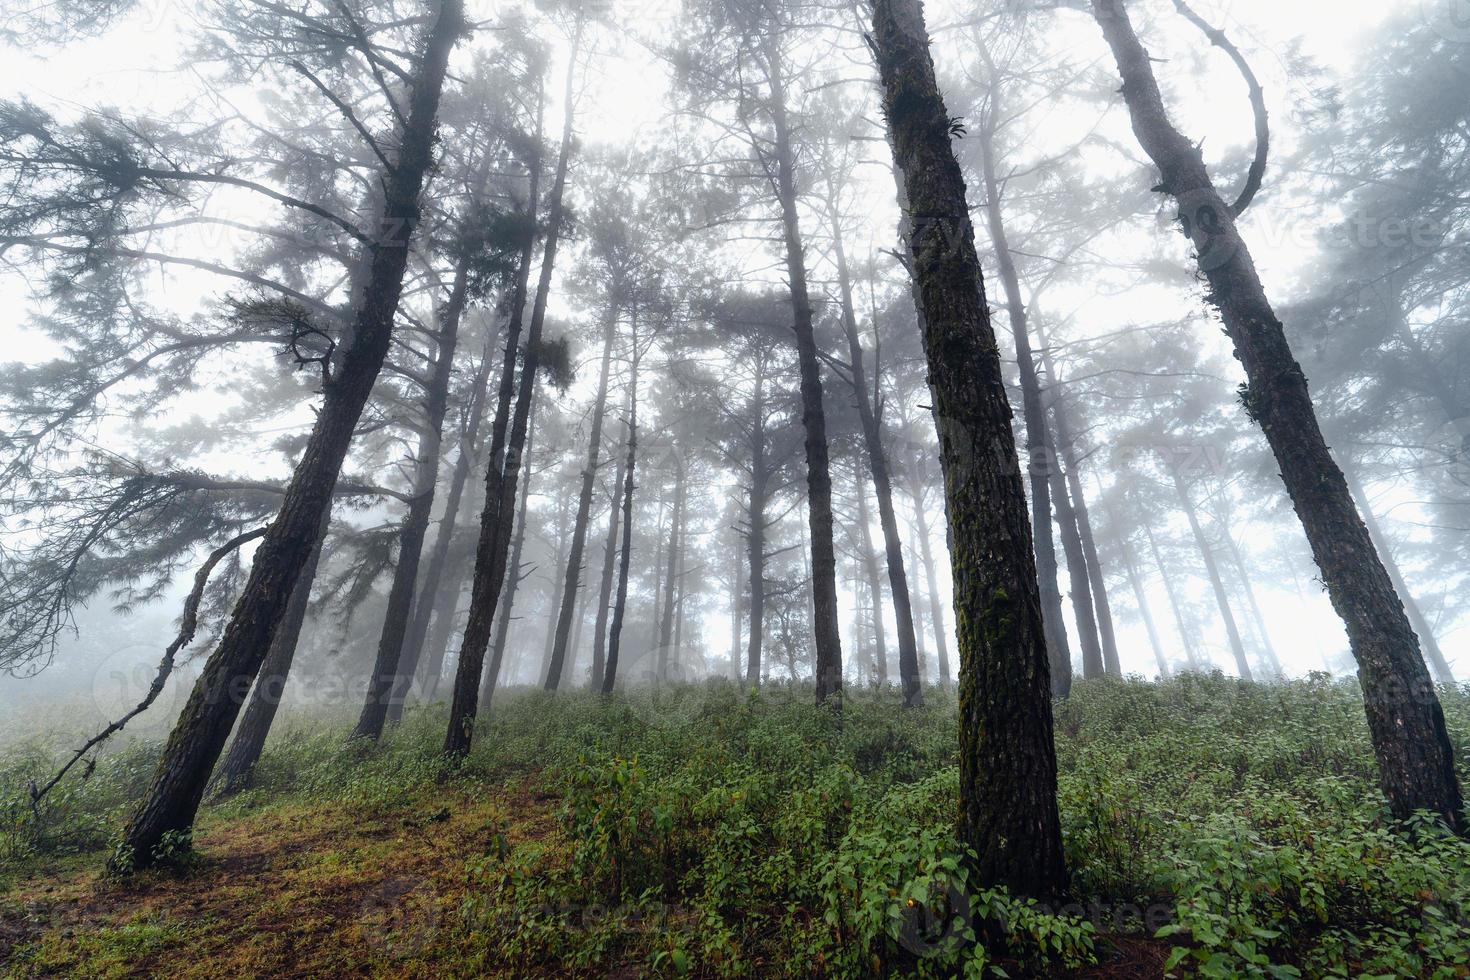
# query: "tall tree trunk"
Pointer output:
{"type": "Point", "coordinates": [869, 410]}
{"type": "Point", "coordinates": [1008, 776]}
{"type": "Point", "coordinates": [1212, 570]}
{"type": "Point", "coordinates": [919, 649]}
{"type": "Point", "coordinates": [1067, 449]}
{"type": "Point", "coordinates": [825, 630]}
{"type": "Point", "coordinates": [199, 734]}
{"type": "Point", "coordinates": [1415, 759]}
{"type": "Point", "coordinates": [931, 583]}
{"type": "Point", "coordinates": [1243, 570]}
{"type": "Point", "coordinates": [234, 771]}
{"type": "Point", "coordinates": [630, 466]}
{"type": "Point", "coordinates": [429, 591]}
{"type": "Point", "coordinates": [1040, 453]}
{"type": "Point", "coordinates": [1140, 595]}
{"type": "Point", "coordinates": [1421, 625]}
{"type": "Point", "coordinates": [609, 564]}
{"type": "Point", "coordinates": [737, 591]}
{"type": "Point", "coordinates": [492, 552]}
{"type": "Point", "coordinates": [675, 541]}
{"type": "Point", "coordinates": [573, 579]}
{"type": "Point", "coordinates": [1186, 636]}
{"type": "Point", "coordinates": [870, 573]}
{"type": "Point", "coordinates": [755, 540]}
{"type": "Point", "coordinates": [389, 681]}
{"type": "Point", "coordinates": [557, 577]}
{"type": "Point", "coordinates": [1082, 608]}
{"type": "Point", "coordinates": [515, 575]}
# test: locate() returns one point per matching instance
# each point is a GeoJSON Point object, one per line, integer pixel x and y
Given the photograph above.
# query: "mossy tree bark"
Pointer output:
{"type": "Point", "coordinates": [1008, 777]}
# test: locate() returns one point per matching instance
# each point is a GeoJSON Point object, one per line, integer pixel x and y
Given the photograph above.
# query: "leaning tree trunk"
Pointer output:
{"type": "Point", "coordinates": [199, 734]}
{"type": "Point", "coordinates": [573, 579]}
{"type": "Point", "coordinates": [1040, 453]}
{"type": "Point", "coordinates": [630, 466]}
{"type": "Point", "coordinates": [234, 771]}
{"type": "Point", "coordinates": [826, 632]}
{"type": "Point", "coordinates": [1212, 570]}
{"type": "Point", "coordinates": [1008, 775]}
{"type": "Point", "coordinates": [868, 414]}
{"type": "Point", "coordinates": [1421, 625]}
{"type": "Point", "coordinates": [609, 566]}
{"type": "Point", "coordinates": [493, 548]}
{"type": "Point", "coordinates": [1415, 759]}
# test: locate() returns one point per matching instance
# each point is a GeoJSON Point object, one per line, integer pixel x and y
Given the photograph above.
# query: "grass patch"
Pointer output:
{"type": "Point", "coordinates": [1213, 828]}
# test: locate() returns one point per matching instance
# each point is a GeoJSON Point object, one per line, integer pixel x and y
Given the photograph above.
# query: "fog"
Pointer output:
{"type": "Point", "coordinates": [1357, 232]}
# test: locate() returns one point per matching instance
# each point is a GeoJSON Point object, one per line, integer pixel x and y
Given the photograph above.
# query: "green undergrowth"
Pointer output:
{"type": "Point", "coordinates": [1234, 830]}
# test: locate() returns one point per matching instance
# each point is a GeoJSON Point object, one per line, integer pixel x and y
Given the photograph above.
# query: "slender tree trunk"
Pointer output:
{"type": "Point", "coordinates": [429, 594]}
{"type": "Point", "coordinates": [1186, 636]}
{"type": "Point", "coordinates": [1008, 778]}
{"type": "Point", "coordinates": [493, 549]}
{"type": "Point", "coordinates": [391, 676]}
{"type": "Point", "coordinates": [919, 650]}
{"type": "Point", "coordinates": [680, 594]}
{"type": "Point", "coordinates": [620, 604]}
{"type": "Point", "coordinates": [557, 577]}
{"type": "Point", "coordinates": [755, 541]}
{"type": "Point", "coordinates": [1432, 652]}
{"type": "Point", "coordinates": [1243, 570]}
{"type": "Point", "coordinates": [1040, 453]}
{"type": "Point", "coordinates": [869, 410]}
{"type": "Point", "coordinates": [1140, 595]}
{"type": "Point", "coordinates": [609, 564]}
{"type": "Point", "coordinates": [573, 579]}
{"type": "Point", "coordinates": [931, 582]}
{"type": "Point", "coordinates": [675, 541]}
{"type": "Point", "coordinates": [1067, 449]}
{"type": "Point", "coordinates": [199, 734]}
{"type": "Point", "coordinates": [1415, 759]}
{"type": "Point", "coordinates": [234, 771]}
{"type": "Point", "coordinates": [737, 575]}
{"type": "Point", "coordinates": [1212, 570]}
{"type": "Point", "coordinates": [827, 634]}
{"type": "Point", "coordinates": [446, 613]}
{"type": "Point", "coordinates": [514, 576]}
{"type": "Point", "coordinates": [870, 573]}
{"type": "Point", "coordinates": [1082, 608]}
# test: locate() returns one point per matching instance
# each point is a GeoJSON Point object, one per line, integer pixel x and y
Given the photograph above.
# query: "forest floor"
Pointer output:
{"type": "Point", "coordinates": [702, 833]}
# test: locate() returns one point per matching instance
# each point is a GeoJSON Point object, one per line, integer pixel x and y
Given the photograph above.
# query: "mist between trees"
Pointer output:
{"type": "Point", "coordinates": [410, 351]}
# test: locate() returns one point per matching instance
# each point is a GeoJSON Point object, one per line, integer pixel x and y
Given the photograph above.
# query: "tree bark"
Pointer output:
{"type": "Point", "coordinates": [1040, 453]}
{"type": "Point", "coordinates": [234, 771]}
{"type": "Point", "coordinates": [199, 734]}
{"type": "Point", "coordinates": [1082, 608]}
{"type": "Point", "coordinates": [1008, 778]}
{"type": "Point", "coordinates": [1432, 652]}
{"type": "Point", "coordinates": [1415, 759]}
{"type": "Point", "coordinates": [825, 629]}
{"type": "Point", "coordinates": [493, 548]}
